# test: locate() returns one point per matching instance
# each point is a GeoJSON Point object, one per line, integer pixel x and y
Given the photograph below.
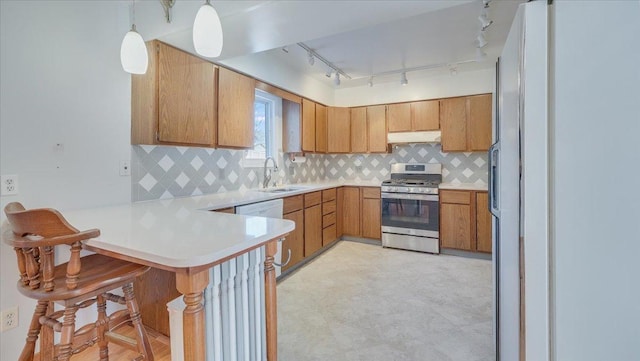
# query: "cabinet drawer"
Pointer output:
{"type": "Point", "coordinates": [328, 207]}
{"type": "Point", "coordinates": [328, 219]}
{"type": "Point", "coordinates": [371, 192]}
{"type": "Point", "coordinates": [328, 235]}
{"type": "Point", "coordinates": [311, 199]}
{"type": "Point", "coordinates": [328, 195]}
{"type": "Point", "coordinates": [292, 204]}
{"type": "Point", "coordinates": [457, 197]}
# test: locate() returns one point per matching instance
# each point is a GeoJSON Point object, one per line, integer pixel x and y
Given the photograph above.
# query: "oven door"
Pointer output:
{"type": "Point", "coordinates": [411, 214]}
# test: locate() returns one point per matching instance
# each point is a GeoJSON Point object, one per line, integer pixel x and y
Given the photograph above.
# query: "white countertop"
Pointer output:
{"type": "Point", "coordinates": [464, 186]}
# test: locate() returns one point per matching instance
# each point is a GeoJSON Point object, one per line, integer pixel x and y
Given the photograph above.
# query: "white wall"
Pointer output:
{"type": "Point", "coordinates": [61, 83]}
{"type": "Point", "coordinates": [419, 87]}
{"type": "Point", "coordinates": [595, 123]}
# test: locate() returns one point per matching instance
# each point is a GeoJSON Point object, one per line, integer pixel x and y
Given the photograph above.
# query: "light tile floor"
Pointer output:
{"type": "Point", "coordinates": [364, 302]}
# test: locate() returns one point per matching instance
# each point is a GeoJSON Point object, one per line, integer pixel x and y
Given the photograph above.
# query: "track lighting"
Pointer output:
{"type": "Point", "coordinates": [484, 21]}
{"type": "Point", "coordinates": [207, 31]}
{"type": "Point", "coordinates": [480, 55]}
{"type": "Point", "coordinates": [328, 73]}
{"type": "Point", "coordinates": [133, 51]}
{"type": "Point", "coordinates": [482, 41]}
{"type": "Point", "coordinates": [370, 83]}
{"type": "Point", "coordinates": [486, 3]}
{"type": "Point", "coordinates": [285, 49]}
{"type": "Point", "coordinates": [312, 60]}
{"type": "Point", "coordinates": [403, 79]}
{"type": "Point", "coordinates": [336, 81]}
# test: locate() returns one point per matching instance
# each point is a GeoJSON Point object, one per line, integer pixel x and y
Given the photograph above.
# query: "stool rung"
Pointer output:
{"type": "Point", "coordinates": [51, 322]}
{"type": "Point", "coordinates": [115, 298]}
{"type": "Point", "coordinates": [121, 340]}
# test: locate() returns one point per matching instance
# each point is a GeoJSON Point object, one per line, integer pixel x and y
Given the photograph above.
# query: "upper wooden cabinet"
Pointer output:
{"type": "Point", "coordinates": [236, 96]}
{"type": "Point", "coordinates": [415, 116]}
{"type": "Point", "coordinates": [338, 130]}
{"type": "Point", "coordinates": [308, 126]}
{"type": "Point", "coordinates": [466, 123]}
{"type": "Point", "coordinates": [321, 128]}
{"type": "Point", "coordinates": [175, 101]}
{"type": "Point", "coordinates": [359, 136]}
{"type": "Point", "coordinates": [377, 127]}
{"type": "Point", "coordinates": [291, 127]}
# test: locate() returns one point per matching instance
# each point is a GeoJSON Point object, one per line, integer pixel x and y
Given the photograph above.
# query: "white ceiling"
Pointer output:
{"type": "Point", "coordinates": [360, 37]}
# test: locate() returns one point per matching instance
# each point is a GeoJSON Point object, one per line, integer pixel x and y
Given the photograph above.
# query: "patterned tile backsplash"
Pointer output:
{"type": "Point", "coordinates": [166, 172]}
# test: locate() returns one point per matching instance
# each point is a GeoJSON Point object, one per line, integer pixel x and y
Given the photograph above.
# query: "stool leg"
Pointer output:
{"type": "Point", "coordinates": [144, 347]}
{"type": "Point", "coordinates": [103, 326]}
{"type": "Point", "coordinates": [34, 331]}
{"type": "Point", "coordinates": [68, 329]}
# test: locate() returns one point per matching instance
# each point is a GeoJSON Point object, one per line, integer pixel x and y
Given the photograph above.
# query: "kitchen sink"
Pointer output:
{"type": "Point", "coordinates": [282, 190]}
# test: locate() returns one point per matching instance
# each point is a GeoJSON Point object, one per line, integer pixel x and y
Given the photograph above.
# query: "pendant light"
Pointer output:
{"type": "Point", "coordinates": [207, 31]}
{"type": "Point", "coordinates": [403, 79]}
{"type": "Point", "coordinates": [133, 51]}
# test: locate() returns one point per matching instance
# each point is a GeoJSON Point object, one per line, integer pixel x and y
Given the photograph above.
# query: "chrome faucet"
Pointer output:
{"type": "Point", "coordinates": [267, 177]}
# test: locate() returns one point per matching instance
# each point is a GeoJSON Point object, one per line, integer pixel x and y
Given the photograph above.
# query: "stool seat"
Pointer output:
{"type": "Point", "coordinates": [99, 275]}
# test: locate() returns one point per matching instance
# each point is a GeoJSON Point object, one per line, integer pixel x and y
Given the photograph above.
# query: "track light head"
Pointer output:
{"type": "Point", "coordinates": [480, 55]}
{"type": "Point", "coordinates": [403, 79]}
{"type": "Point", "coordinates": [453, 70]}
{"type": "Point", "coordinates": [336, 81]}
{"type": "Point", "coordinates": [485, 3]}
{"type": "Point", "coordinates": [484, 21]}
{"type": "Point", "coordinates": [482, 41]}
{"type": "Point", "coordinates": [370, 83]}
{"type": "Point", "coordinates": [285, 49]}
{"type": "Point", "coordinates": [312, 59]}
{"type": "Point", "coordinates": [328, 73]}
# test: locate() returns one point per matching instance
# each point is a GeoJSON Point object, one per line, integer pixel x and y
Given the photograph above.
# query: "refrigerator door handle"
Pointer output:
{"type": "Point", "coordinates": [494, 151]}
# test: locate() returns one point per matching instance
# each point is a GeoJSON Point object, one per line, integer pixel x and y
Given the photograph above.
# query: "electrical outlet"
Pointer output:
{"type": "Point", "coordinates": [9, 185]}
{"type": "Point", "coordinates": [9, 318]}
{"type": "Point", "coordinates": [125, 168]}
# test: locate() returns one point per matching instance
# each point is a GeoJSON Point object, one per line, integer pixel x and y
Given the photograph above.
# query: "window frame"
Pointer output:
{"type": "Point", "coordinates": [270, 130]}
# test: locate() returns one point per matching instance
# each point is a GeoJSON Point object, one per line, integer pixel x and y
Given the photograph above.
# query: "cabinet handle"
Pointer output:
{"type": "Point", "coordinates": [288, 257]}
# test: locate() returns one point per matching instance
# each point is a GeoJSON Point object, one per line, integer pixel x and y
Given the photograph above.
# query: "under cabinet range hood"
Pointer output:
{"type": "Point", "coordinates": [432, 136]}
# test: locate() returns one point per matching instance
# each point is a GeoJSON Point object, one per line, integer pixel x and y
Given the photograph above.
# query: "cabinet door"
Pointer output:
{"type": "Point", "coordinates": [483, 223]}
{"type": "Point", "coordinates": [187, 98]}
{"type": "Point", "coordinates": [308, 126]}
{"type": "Point", "coordinates": [291, 127]}
{"type": "Point", "coordinates": [338, 130]}
{"type": "Point", "coordinates": [425, 115]}
{"type": "Point", "coordinates": [371, 218]}
{"type": "Point", "coordinates": [479, 122]}
{"type": "Point", "coordinates": [359, 139]}
{"type": "Point", "coordinates": [321, 128]}
{"type": "Point", "coordinates": [453, 122]}
{"type": "Point", "coordinates": [154, 290]}
{"type": "Point", "coordinates": [144, 100]}
{"type": "Point", "coordinates": [295, 240]}
{"type": "Point", "coordinates": [351, 211]}
{"type": "Point", "coordinates": [399, 117]}
{"type": "Point", "coordinates": [339, 211]}
{"type": "Point", "coordinates": [235, 109]}
{"type": "Point", "coordinates": [377, 124]}
{"type": "Point", "coordinates": [455, 226]}
{"type": "Point", "coordinates": [312, 229]}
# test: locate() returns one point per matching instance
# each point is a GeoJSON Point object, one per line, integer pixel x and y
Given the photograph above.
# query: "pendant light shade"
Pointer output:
{"type": "Point", "coordinates": [207, 32]}
{"type": "Point", "coordinates": [133, 53]}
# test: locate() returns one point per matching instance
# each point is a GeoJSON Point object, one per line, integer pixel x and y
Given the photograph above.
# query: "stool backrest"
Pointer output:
{"type": "Point", "coordinates": [34, 233]}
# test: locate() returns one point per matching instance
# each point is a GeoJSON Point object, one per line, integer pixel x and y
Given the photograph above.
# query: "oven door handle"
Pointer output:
{"type": "Point", "coordinates": [418, 197]}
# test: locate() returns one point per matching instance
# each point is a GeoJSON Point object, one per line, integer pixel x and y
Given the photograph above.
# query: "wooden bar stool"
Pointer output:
{"type": "Point", "coordinates": [34, 233]}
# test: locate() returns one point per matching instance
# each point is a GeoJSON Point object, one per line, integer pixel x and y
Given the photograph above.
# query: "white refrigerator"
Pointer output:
{"type": "Point", "coordinates": [564, 173]}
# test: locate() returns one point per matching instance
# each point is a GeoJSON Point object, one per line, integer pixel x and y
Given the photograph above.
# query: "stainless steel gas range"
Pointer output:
{"type": "Point", "coordinates": [410, 208]}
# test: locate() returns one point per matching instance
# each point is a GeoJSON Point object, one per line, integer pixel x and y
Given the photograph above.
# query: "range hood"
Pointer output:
{"type": "Point", "coordinates": [432, 136]}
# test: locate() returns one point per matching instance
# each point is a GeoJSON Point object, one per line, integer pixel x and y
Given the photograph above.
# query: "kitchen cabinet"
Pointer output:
{"type": "Point", "coordinates": [369, 129]}
{"type": "Point", "coordinates": [415, 116]}
{"type": "Point", "coordinates": [377, 128]}
{"type": "Point", "coordinates": [466, 123]}
{"type": "Point", "coordinates": [339, 211]}
{"type": "Point", "coordinates": [321, 128]}
{"type": "Point", "coordinates": [175, 102]}
{"type": "Point", "coordinates": [154, 290]}
{"type": "Point", "coordinates": [308, 126]}
{"type": "Point", "coordinates": [351, 211]}
{"type": "Point", "coordinates": [329, 203]}
{"type": "Point", "coordinates": [312, 223]}
{"type": "Point", "coordinates": [465, 222]}
{"type": "Point", "coordinates": [339, 130]}
{"type": "Point", "coordinates": [483, 223]}
{"type": "Point", "coordinates": [236, 96]}
{"type": "Point", "coordinates": [371, 214]}
{"type": "Point", "coordinates": [293, 210]}
{"type": "Point", "coordinates": [291, 126]}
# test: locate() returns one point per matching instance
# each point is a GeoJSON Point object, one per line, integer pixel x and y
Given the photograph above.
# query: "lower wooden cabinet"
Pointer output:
{"type": "Point", "coordinates": [351, 211]}
{"type": "Point", "coordinates": [465, 221]}
{"type": "Point", "coordinates": [295, 240]}
{"type": "Point", "coordinates": [154, 290]}
{"type": "Point", "coordinates": [371, 215]}
{"type": "Point", "coordinates": [361, 212]}
{"type": "Point", "coordinates": [312, 229]}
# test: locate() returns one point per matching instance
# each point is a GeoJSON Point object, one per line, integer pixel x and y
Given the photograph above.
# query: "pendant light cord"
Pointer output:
{"type": "Point", "coordinates": [133, 22]}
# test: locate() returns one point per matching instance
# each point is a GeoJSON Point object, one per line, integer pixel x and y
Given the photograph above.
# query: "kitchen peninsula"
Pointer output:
{"type": "Point", "coordinates": [179, 236]}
